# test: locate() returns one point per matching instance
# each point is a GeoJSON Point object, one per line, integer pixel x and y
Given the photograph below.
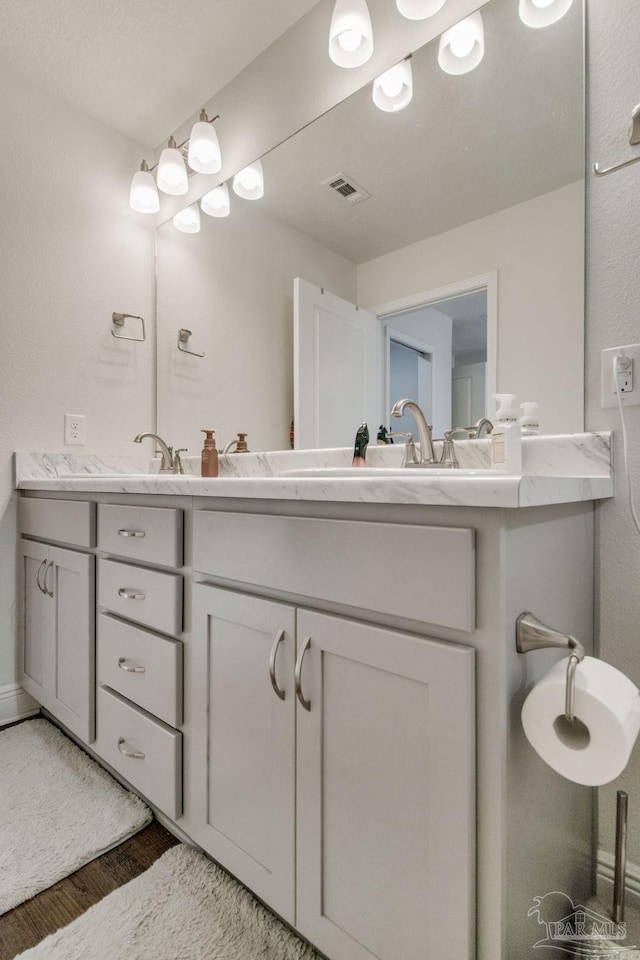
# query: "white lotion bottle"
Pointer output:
{"type": "Point", "coordinates": [529, 421]}
{"type": "Point", "coordinates": [506, 438]}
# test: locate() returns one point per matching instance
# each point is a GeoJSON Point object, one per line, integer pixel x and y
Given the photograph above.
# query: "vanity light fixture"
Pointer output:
{"type": "Point", "coordinates": [351, 33]}
{"type": "Point", "coordinates": [249, 183]}
{"type": "Point", "coordinates": [393, 90]}
{"type": "Point", "coordinates": [172, 173]}
{"type": "Point", "coordinates": [542, 13]}
{"type": "Point", "coordinates": [419, 9]}
{"type": "Point", "coordinates": [216, 203]}
{"type": "Point", "coordinates": [188, 220]}
{"type": "Point", "coordinates": [462, 47]}
{"type": "Point", "coordinates": [144, 193]}
{"type": "Point", "coordinates": [204, 148]}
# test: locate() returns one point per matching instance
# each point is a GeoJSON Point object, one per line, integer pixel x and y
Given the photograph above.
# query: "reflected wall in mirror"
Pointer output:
{"type": "Point", "coordinates": [481, 175]}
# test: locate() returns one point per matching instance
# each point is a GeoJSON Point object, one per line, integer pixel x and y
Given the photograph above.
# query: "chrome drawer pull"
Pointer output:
{"type": "Point", "coordinates": [48, 592]}
{"type": "Point", "coordinates": [133, 754]}
{"type": "Point", "coordinates": [298, 674]}
{"type": "Point", "coordinates": [272, 665]}
{"type": "Point", "coordinates": [122, 663]}
{"type": "Point", "coordinates": [131, 533]}
{"type": "Point", "coordinates": [130, 594]}
{"type": "Point", "coordinates": [40, 587]}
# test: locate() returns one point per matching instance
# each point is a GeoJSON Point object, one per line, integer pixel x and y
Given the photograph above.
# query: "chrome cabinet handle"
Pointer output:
{"type": "Point", "coordinates": [40, 587]}
{"type": "Point", "coordinates": [130, 594]}
{"type": "Point", "coordinates": [133, 754]}
{"type": "Point", "coordinates": [131, 533]}
{"type": "Point", "coordinates": [48, 592]}
{"type": "Point", "coordinates": [122, 663]}
{"type": "Point", "coordinates": [272, 665]}
{"type": "Point", "coordinates": [298, 674]}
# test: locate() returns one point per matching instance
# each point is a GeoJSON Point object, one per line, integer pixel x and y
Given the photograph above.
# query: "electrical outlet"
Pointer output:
{"type": "Point", "coordinates": [628, 362]}
{"type": "Point", "coordinates": [74, 428]}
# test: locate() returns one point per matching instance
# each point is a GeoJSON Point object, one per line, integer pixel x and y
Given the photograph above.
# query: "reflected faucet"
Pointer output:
{"type": "Point", "coordinates": [167, 462]}
{"type": "Point", "coordinates": [427, 453]}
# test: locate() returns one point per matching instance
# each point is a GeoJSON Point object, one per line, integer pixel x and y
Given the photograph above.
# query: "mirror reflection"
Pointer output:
{"type": "Point", "coordinates": [469, 219]}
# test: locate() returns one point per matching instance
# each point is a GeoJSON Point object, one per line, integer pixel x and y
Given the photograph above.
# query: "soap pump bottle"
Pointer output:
{"type": "Point", "coordinates": [506, 439]}
{"type": "Point", "coordinates": [529, 421]}
{"type": "Point", "coordinates": [209, 458]}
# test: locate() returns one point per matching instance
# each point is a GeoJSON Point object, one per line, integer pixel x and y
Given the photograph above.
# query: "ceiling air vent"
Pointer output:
{"type": "Point", "coordinates": [347, 188]}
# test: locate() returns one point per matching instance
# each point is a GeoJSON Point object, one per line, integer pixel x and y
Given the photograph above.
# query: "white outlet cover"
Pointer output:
{"type": "Point", "coordinates": [74, 429]}
{"type": "Point", "coordinates": [608, 393]}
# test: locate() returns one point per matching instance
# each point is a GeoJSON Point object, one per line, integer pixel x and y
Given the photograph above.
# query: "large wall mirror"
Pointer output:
{"type": "Point", "coordinates": [466, 251]}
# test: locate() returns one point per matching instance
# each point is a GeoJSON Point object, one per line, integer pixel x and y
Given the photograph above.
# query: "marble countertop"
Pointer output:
{"type": "Point", "coordinates": [561, 469]}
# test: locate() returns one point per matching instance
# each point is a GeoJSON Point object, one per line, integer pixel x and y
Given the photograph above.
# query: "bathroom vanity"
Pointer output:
{"type": "Point", "coordinates": [315, 679]}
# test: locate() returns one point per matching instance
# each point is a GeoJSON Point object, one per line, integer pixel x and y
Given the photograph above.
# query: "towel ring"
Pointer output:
{"type": "Point", "coordinates": [183, 337]}
{"type": "Point", "coordinates": [118, 320]}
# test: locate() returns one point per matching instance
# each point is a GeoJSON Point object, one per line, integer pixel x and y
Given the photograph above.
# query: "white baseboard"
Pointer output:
{"type": "Point", "coordinates": [605, 876]}
{"type": "Point", "coordinates": [15, 704]}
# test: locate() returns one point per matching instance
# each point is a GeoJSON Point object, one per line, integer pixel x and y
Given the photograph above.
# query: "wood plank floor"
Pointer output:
{"type": "Point", "coordinates": [31, 922]}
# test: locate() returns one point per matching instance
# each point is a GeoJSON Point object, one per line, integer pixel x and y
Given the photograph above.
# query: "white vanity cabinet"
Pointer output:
{"type": "Point", "coordinates": [320, 775]}
{"type": "Point", "coordinates": [56, 611]}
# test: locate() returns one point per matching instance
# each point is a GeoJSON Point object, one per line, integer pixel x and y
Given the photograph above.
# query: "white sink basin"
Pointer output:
{"type": "Point", "coordinates": [413, 473]}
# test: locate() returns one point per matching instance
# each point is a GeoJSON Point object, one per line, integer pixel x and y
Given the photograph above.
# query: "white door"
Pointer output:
{"type": "Point", "coordinates": [385, 799]}
{"type": "Point", "coordinates": [242, 749]}
{"type": "Point", "coordinates": [336, 369]}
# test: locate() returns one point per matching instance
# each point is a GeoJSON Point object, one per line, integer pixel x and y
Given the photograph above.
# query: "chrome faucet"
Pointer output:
{"type": "Point", "coordinates": [167, 463]}
{"type": "Point", "coordinates": [427, 453]}
{"type": "Point", "coordinates": [482, 423]}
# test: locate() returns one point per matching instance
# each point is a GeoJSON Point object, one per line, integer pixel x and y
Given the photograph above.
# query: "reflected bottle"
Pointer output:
{"type": "Point", "coordinates": [360, 446]}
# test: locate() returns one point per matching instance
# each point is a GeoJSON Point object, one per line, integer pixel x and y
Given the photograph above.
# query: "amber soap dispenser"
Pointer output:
{"type": "Point", "coordinates": [209, 466]}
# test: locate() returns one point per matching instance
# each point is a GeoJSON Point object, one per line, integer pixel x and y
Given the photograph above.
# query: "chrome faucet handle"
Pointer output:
{"type": "Point", "coordinates": [177, 460]}
{"type": "Point", "coordinates": [410, 455]}
{"type": "Point", "coordinates": [448, 457]}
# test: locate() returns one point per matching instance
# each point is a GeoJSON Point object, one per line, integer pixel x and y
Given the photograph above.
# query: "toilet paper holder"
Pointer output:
{"type": "Point", "coordinates": [533, 634]}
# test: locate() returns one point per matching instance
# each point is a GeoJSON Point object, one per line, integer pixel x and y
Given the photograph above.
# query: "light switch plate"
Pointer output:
{"type": "Point", "coordinates": [608, 393]}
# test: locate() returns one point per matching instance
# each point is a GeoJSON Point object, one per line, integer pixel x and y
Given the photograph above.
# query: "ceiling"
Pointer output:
{"type": "Point", "coordinates": [140, 66]}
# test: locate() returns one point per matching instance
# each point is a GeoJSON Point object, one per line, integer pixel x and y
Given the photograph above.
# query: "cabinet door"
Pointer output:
{"type": "Point", "coordinates": [241, 749]}
{"type": "Point", "coordinates": [35, 648]}
{"type": "Point", "coordinates": [385, 793]}
{"type": "Point", "coordinates": [70, 583]}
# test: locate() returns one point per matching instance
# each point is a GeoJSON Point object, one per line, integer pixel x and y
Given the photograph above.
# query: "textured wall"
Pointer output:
{"type": "Point", "coordinates": [72, 253]}
{"type": "Point", "coordinates": [613, 319]}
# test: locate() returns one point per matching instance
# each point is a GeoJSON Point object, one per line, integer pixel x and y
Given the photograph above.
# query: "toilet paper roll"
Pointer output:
{"type": "Point", "coordinates": [595, 748]}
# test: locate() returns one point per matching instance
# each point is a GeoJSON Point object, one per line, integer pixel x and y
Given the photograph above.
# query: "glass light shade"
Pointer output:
{"type": "Point", "coordinates": [216, 202]}
{"type": "Point", "coordinates": [351, 33]}
{"type": "Point", "coordinates": [204, 148]}
{"type": "Point", "coordinates": [393, 90]}
{"type": "Point", "coordinates": [419, 9]}
{"type": "Point", "coordinates": [249, 183]}
{"type": "Point", "coordinates": [542, 13]}
{"type": "Point", "coordinates": [144, 193]}
{"type": "Point", "coordinates": [462, 47]}
{"type": "Point", "coordinates": [172, 173]}
{"type": "Point", "coordinates": [188, 220]}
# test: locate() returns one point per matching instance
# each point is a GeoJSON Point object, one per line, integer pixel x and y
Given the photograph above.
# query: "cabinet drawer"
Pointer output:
{"type": "Point", "coordinates": [156, 767]}
{"type": "Point", "coordinates": [151, 534]}
{"type": "Point", "coordinates": [65, 521]}
{"type": "Point", "coordinates": [146, 596]}
{"type": "Point", "coordinates": [142, 666]}
{"type": "Point", "coordinates": [346, 562]}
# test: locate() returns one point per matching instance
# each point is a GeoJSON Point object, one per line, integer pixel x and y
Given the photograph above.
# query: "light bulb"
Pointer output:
{"type": "Point", "coordinates": [204, 148]}
{"type": "Point", "coordinates": [249, 183]}
{"type": "Point", "coordinates": [462, 47]}
{"type": "Point", "coordinates": [188, 220]}
{"type": "Point", "coordinates": [542, 13]}
{"type": "Point", "coordinates": [143, 196]}
{"type": "Point", "coordinates": [419, 9]}
{"type": "Point", "coordinates": [393, 90]}
{"type": "Point", "coordinates": [351, 33]}
{"type": "Point", "coordinates": [172, 173]}
{"type": "Point", "coordinates": [216, 202]}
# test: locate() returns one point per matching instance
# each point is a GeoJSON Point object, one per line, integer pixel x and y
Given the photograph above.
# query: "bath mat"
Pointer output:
{"type": "Point", "coordinates": [58, 810]}
{"type": "Point", "coordinates": [182, 908]}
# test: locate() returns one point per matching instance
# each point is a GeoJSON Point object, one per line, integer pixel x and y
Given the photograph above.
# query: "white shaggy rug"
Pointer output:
{"type": "Point", "coordinates": [58, 810]}
{"type": "Point", "coordinates": [183, 908]}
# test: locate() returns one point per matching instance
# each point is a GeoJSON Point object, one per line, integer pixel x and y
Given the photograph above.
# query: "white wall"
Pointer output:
{"type": "Point", "coordinates": [613, 319]}
{"type": "Point", "coordinates": [537, 249]}
{"type": "Point", "coordinates": [72, 253]}
{"type": "Point", "coordinates": [232, 286]}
